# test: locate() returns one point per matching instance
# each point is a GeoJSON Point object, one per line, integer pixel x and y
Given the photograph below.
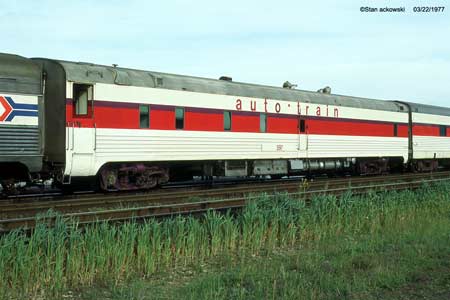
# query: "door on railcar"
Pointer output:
{"type": "Point", "coordinates": [80, 130]}
{"type": "Point", "coordinates": [302, 137]}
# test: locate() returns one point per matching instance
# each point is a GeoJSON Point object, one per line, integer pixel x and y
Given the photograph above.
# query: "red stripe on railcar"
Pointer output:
{"type": "Point", "coordinates": [244, 122]}
{"type": "Point", "coordinates": [161, 117]}
{"type": "Point", "coordinates": [354, 128]}
{"type": "Point", "coordinates": [126, 116]}
{"type": "Point", "coordinates": [402, 130]}
{"type": "Point", "coordinates": [282, 124]}
{"type": "Point", "coordinates": [426, 130]}
{"type": "Point", "coordinates": [203, 119]}
{"type": "Point", "coordinates": [111, 117]}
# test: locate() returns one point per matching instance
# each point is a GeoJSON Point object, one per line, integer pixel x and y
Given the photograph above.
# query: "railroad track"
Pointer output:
{"type": "Point", "coordinates": [116, 207]}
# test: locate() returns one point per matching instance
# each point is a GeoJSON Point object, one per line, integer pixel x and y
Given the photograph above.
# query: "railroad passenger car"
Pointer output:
{"type": "Point", "coordinates": [135, 129]}
{"type": "Point", "coordinates": [430, 136]}
{"type": "Point", "coordinates": [126, 129]}
{"type": "Point", "coordinates": [20, 118]}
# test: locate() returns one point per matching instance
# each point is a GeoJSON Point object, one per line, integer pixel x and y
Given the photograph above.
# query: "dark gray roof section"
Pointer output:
{"type": "Point", "coordinates": [429, 109]}
{"type": "Point", "coordinates": [91, 73]}
{"type": "Point", "coordinates": [19, 75]}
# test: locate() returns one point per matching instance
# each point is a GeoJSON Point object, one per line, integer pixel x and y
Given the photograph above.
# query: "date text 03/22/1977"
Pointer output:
{"type": "Point", "coordinates": [415, 9]}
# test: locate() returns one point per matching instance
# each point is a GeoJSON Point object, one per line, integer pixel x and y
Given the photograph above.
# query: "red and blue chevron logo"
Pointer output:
{"type": "Point", "coordinates": [12, 109]}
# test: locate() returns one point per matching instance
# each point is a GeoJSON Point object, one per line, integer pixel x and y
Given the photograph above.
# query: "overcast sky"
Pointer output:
{"type": "Point", "coordinates": [312, 43]}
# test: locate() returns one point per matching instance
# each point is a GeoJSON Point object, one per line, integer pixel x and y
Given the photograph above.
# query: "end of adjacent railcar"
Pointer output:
{"type": "Point", "coordinates": [21, 101]}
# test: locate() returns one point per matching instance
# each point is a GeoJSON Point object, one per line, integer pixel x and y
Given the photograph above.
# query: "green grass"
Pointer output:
{"type": "Point", "coordinates": [381, 245]}
{"type": "Point", "coordinates": [384, 264]}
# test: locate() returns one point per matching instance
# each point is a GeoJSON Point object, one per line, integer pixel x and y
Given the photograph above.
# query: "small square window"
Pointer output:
{"type": "Point", "coordinates": [443, 130]}
{"type": "Point", "coordinates": [302, 126]}
{"type": "Point", "coordinates": [227, 120]}
{"type": "Point", "coordinates": [263, 122]}
{"type": "Point", "coordinates": [144, 116]}
{"type": "Point", "coordinates": [179, 118]}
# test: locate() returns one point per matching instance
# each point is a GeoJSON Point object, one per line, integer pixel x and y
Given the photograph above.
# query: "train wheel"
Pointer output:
{"type": "Point", "coordinates": [128, 177]}
{"type": "Point", "coordinates": [109, 180]}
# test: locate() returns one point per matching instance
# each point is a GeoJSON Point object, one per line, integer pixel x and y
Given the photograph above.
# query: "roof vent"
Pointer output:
{"type": "Point", "coordinates": [90, 73]}
{"type": "Point", "coordinates": [325, 90]}
{"type": "Point", "coordinates": [84, 63]}
{"type": "Point", "coordinates": [226, 78]}
{"type": "Point", "coordinates": [288, 85]}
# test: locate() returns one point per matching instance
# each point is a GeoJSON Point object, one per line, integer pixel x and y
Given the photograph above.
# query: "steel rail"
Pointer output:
{"type": "Point", "coordinates": [136, 213]}
{"type": "Point", "coordinates": [192, 190]}
{"type": "Point", "coordinates": [170, 197]}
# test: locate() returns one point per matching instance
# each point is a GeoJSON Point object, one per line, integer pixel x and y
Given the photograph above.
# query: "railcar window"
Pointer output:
{"type": "Point", "coordinates": [395, 130]}
{"type": "Point", "coordinates": [144, 116]}
{"type": "Point", "coordinates": [443, 130]}
{"type": "Point", "coordinates": [263, 122]}
{"type": "Point", "coordinates": [302, 126]}
{"type": "Point", "coordinates": [179, 118]}
{"type": "Point", "coordinates": [82, 97]}
{"type": "Point", "coordinates": [227, 120]}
